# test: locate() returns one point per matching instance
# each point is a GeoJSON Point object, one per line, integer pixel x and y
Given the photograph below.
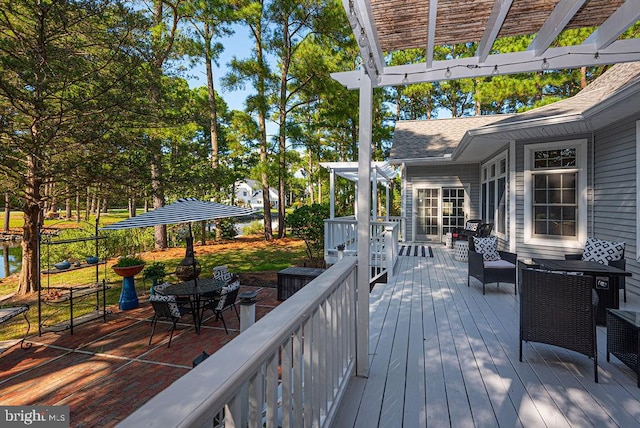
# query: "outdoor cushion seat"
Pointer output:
{"type": "Point", "coordinates": [489, 265]}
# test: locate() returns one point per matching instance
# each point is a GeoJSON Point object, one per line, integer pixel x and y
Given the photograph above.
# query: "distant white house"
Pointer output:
{"type": "Point", "coordinates": [249, 193]}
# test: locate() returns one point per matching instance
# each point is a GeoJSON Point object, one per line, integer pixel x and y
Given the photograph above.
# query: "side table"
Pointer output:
{"type": "Point", "coordinates": [448, 240]}
{"type": "Point", "coordinates": [462, 251]}
{"type": "Point", "coordinates": [623, 329]}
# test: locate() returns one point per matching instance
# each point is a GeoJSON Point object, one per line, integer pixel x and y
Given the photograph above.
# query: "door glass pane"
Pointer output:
{"type": "Point", "coordinates": [452, 209]}
{"type": "Point", "coordinates": [427, 220]}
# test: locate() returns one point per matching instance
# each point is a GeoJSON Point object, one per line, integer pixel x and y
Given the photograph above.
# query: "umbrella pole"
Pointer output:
{"type": "Point", "coordinates": [193, 265]}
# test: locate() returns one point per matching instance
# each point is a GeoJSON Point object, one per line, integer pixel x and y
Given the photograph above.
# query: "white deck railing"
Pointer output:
{"type": "Point", "coordinates": [343, 231]}
{"type": "Point", "coordinates": [290, 369]}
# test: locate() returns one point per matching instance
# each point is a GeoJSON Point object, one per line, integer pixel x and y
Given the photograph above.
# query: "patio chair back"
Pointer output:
{"type": "Point", "coordinates": [163, 311]}
{"type": "Point", "coordinates": [559, 309]}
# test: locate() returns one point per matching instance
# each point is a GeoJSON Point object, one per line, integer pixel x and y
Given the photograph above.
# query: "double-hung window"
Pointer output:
{"type": "Point", "coordinates": [494, 186]}
{"type": "Point", "coordinates": [555, 192]}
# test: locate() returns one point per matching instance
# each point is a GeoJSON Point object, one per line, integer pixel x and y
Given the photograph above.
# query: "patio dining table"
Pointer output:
{"type": "Point", "coordinates": [195, 290]}
{"type": "Point", "coordinates": [608, 291]}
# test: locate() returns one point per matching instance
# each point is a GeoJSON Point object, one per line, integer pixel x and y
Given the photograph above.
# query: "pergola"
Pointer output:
{"type": "Point", "coordinates": [381, 173]}
{"type": "Point", "coordinates": [384, 26]}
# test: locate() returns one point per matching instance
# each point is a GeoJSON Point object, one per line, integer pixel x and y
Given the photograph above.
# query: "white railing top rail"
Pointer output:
{"type": "Point", "coordinates": [195, 398]}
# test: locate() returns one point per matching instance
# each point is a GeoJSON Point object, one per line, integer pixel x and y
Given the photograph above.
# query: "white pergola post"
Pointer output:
{"type": "Point", "coordinates": [374, 194]}
{"type": "Point", "coordinates": [364, 222]}
{"type": "Point", "coordinates": [386, 198]}
{"type": "Point", "coordinates": [332, 194]}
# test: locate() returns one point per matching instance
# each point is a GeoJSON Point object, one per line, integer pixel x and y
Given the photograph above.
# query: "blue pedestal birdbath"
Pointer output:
{"type": "Point", "coordinates": [128, 297]}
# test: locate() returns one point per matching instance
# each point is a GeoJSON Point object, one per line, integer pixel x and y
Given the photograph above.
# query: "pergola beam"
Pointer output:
{"type": "Point", "coordinates": [431, 31]}
{"type": "Point", "coordinates": [494, 23]}
{"type": "Point", "coordinates": [615, 25]}
{"type": "Point", "coordinates": [555, 23]}
{"type": "Point", "coordinates": [508, 63]}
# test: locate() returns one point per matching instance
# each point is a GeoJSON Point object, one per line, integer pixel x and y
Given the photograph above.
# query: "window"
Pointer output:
{"type": "Point", "coordinates": [555, 192]}
{"type": "Point", "coordinates": [494, 204]}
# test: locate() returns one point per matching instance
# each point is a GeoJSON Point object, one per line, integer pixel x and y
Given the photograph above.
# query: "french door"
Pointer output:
{"type": "Point", "coordinates": [427, 215]}
{"type": "Point", "coordinates": [438, 210]}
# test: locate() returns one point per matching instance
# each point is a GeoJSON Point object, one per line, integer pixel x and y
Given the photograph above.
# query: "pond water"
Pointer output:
{"type": "Point", "coordinates": [11, 260]}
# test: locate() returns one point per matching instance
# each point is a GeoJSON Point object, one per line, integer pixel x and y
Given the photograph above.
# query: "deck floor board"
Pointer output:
{"type": "Point", "coordinates": [443, 354]}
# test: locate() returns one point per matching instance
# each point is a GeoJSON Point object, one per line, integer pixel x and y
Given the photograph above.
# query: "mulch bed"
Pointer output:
{"type": "Point", "coordinates": [268, 278]}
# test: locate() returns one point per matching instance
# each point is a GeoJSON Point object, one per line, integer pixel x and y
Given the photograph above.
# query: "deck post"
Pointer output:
{"type": "Point", "coordinates": [332, 193]}
{"type": "Point", "coordinates": [364, 221]}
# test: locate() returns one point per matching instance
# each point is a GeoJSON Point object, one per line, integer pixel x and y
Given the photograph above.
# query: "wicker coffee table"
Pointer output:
{"type": "Point", "coordinates": [623, 329]}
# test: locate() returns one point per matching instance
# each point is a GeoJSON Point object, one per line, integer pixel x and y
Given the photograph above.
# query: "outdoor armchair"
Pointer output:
{"type": "Point", "coordinates": [226, 300]}
{"type": "Point", "coordinates": [165, 308]}
{"type": "Point", "coordinates": [559, 309]}
{"type": "Point", "coordinates": [488, 265]}
{"type": "Point", "coordinates": [470, 229]}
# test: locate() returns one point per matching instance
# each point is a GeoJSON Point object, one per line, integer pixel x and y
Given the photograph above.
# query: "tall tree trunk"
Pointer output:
{"type": "Point", "coordinates": [7, 212]}
{"type": "Point", "coordinates": [157, 64]}
{"type": "Point", "coordinates": [262, 123]}
{"type": "Point", "coordinates": [67, 203]}
{"type": "Point", "coordinates": [213, 125]}
{"type": "Point", "coordinates": [311, 193]}
{"type": "Point", "coordinates": [583, 77]}
{"type": "Point", "coordinates": [87, 208]}
{"type": "Point", "coordinates": [29, 275]}
{"type": "Point", "coordinates": [77, 206]}
{"type": "Point", "coordinates": [160, 231]}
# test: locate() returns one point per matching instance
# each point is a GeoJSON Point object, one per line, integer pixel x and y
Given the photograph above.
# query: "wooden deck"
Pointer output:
{"type": "Point", "coordinates": [442, 354]}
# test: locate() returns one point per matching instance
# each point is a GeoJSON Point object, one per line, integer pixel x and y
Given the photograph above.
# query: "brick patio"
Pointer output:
{"type": "Point", "coordinates": [107, 370]}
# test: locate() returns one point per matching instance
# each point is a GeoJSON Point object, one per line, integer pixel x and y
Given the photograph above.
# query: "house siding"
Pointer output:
{"type": "Point", "coordinates": [436, 176]}
{"type": "Point", "coordinates": [611, 187]}
{"type": "Point", "coordinates": [615, 205]}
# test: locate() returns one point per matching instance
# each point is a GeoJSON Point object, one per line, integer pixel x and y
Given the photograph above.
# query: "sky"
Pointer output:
{"type": "Point", "coordinates": [238, 45]}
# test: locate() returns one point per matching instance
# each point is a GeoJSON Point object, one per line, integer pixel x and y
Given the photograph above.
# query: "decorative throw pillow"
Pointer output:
{"type": "Point", "coordinates": [488, 247]}
{"type": "Point", "coordinates": [173, 307]}
{"type": "Point", "coordinates": [160, 287]}
{"type": "Point", "coordinates": [222, 274]}
{"type": "Point", "coordinates": [598, 250]}
{"type": "Point", "coordinates": [225, 290]}
{"type": "Point", "coordinates": [472, 226]}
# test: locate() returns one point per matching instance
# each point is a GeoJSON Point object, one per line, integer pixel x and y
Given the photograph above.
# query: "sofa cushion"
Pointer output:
{"type": "Point", "coordinates": [499, 264]}
{"type": "Point", "coordinates": [598, 250]}
{"type": "Point", "coordinates": [488, 247]}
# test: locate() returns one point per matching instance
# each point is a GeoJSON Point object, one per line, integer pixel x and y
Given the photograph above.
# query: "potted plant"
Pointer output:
{"type": "Point", "coordinates": [128, 266]}
{"type": "Point", "coordinates": [155, 272]}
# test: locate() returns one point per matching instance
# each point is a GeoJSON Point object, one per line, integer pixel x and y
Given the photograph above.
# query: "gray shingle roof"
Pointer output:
{"type": "Point", "coordinates": [434, 138]}
{"type": "Point", "coordinates": [418, 139]}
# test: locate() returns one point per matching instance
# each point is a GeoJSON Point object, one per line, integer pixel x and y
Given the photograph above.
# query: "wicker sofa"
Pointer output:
{"type": "Point", "coordinates": [559, 309]}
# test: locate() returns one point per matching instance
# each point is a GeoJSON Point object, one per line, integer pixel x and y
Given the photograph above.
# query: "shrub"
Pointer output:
{"type": "Point", "coordinates": [127, 261]}
{"type": "Point", "coordinates": [307, 223]}
{"type": "Point", "coordinates": [227, 228]}
{"type": "Point", "coordinates": [253, 228]}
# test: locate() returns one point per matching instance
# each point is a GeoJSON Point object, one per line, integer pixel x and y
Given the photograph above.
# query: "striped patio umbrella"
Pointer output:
{"type": "Point", "coordinates": [185, 210]}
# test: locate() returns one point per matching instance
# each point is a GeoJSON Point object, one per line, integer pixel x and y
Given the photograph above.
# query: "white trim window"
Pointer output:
{"type": "Point", "coordinates": [494, 194]}
{"type": "Point", "coordinates": [555, 210]}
